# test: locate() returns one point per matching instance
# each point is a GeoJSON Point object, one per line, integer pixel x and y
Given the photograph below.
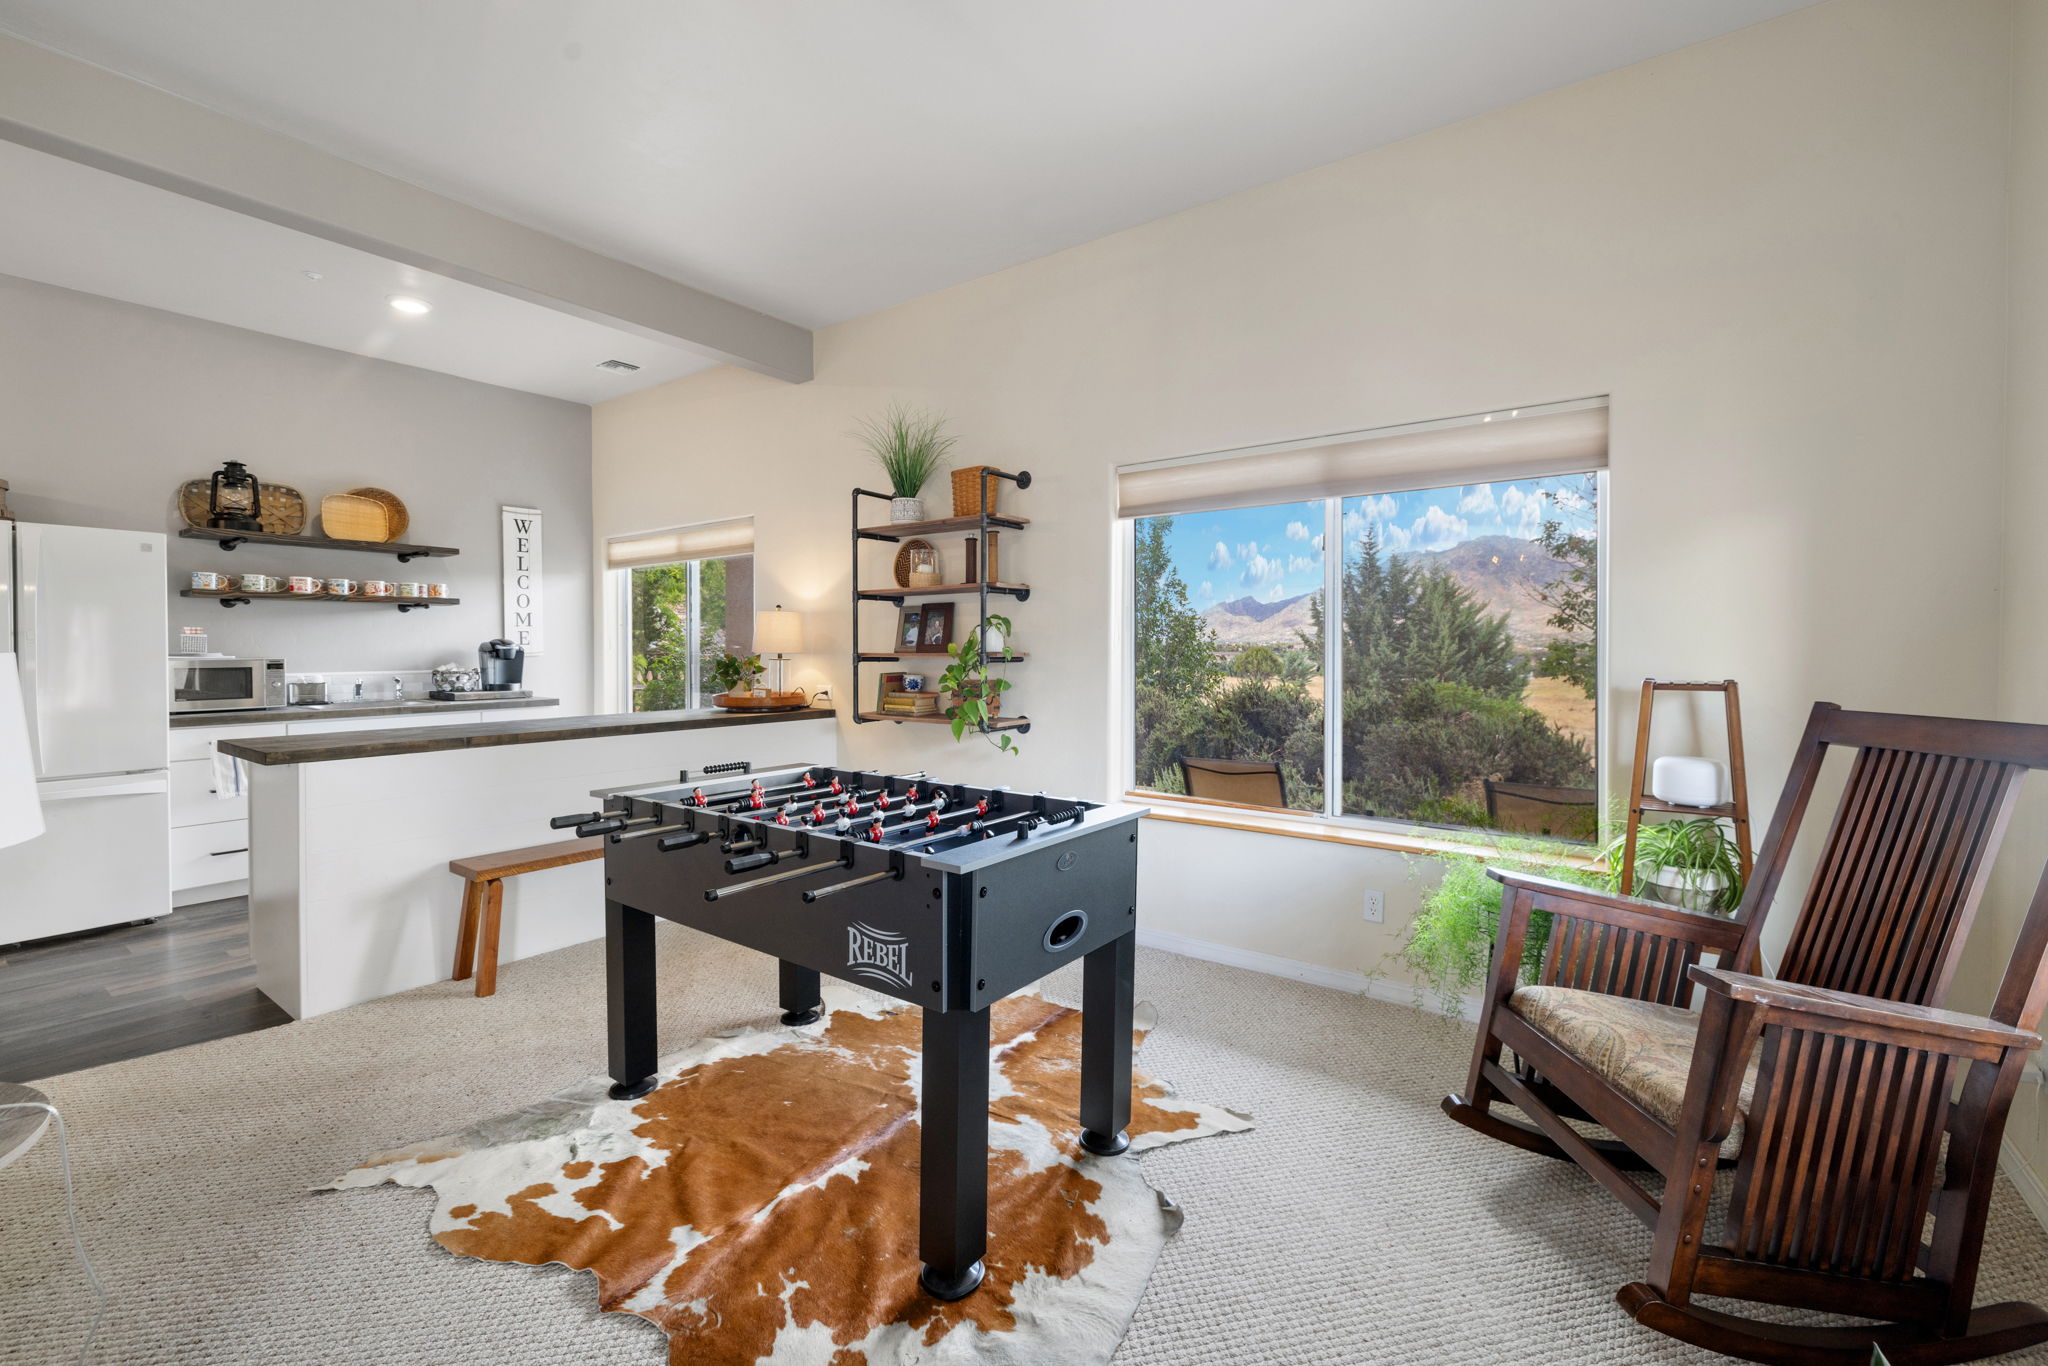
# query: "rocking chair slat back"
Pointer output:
{"type": "Point", "coordinates": [1618, 962]}
{"type": "Point", "coordinates": [1901, 874]}
{"type": "Point", "coordinates": [1838, 1174]}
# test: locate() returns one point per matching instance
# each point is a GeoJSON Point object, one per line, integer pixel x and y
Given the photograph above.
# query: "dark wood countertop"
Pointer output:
{"type": "Point", "coordinates": [345, 711]}
{"type": "Point", "coordinates": [380, 744]}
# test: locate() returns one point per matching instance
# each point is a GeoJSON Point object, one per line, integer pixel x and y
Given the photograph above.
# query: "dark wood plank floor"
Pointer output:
{"type": "Point", "coordinates": [122, 993]}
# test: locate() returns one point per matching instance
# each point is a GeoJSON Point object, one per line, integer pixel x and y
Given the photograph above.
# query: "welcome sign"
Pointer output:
{"type": "Point", "coordinates": [522, 577]}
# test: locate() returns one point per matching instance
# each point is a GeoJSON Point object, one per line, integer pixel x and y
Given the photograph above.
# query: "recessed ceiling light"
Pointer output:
{"type": "Point", "coordinates": [405, 303]}
{"type": "Point", "coordinates": [312, 275]}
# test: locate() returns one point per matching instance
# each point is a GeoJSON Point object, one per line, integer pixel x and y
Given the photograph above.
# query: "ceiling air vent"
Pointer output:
{"type": "Point", "coordinates": [622, 366]}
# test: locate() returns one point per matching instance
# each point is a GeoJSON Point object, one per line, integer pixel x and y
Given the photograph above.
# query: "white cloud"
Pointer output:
{"type": "Point", "coordinates": [1318, 541]}
{"type": "Point", "coordinates": [1219, 558]}
{"type": "Point", "coordinates": [1258, 570]}
{"type": "Point", "coordinates": [1208, 589]}
{"type": "Point", "coordinates": [1395, 538]}
{"type": "Point", "coordinates": [1298, 531]}
{"type": "Point", "coordinates": [1302, 564]}
{"type": "Point", "coordinates": [1438, 530]}
{"type": "Point", "coordinates": [1248, 551]}
{"type": "Point", "coordinates": [1521, 514]}
{"type": "Point", "coordinates": [1478, 500]}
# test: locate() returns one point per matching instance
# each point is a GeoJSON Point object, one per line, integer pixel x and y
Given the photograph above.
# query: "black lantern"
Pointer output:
{"type": "Point", "coordinates": [234, 500]}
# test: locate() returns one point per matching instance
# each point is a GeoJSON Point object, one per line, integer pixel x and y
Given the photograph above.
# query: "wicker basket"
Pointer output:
{"type": "Point", "coordinates": [284, 507]}
{"type": "Point", "coordinates": [396, 518]}
{"type": "Point", "coordinates": [350, 517]}
{"type": "Point", "coordinates": [967, 491]}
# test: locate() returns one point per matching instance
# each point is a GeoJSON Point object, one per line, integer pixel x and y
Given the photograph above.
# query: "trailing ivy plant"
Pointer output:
{"type": "Point", "coordinates": [976, 694]}
{"type": "Point", "coordinates": [1450, 943]}
{"type": "Point", "coordinates": [731, 673]}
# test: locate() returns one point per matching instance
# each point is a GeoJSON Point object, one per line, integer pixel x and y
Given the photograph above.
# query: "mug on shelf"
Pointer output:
{"type": "Point", "coordinates": [412, 590]}
{"type": "Point", "coordinates": [256, 583]}
{"type": "Point", "coordinates": [205, 581]}
{"type": "Point", "coordinates": [376, 588]}
{"type": "Point", "coordinates": [913, 682]}
{"type": "Point", "coordinates": [340, 588]}
{"type": "Point", "coordinates": [302, 584]}
{"type": "Point", "coordinates": [437, 590]}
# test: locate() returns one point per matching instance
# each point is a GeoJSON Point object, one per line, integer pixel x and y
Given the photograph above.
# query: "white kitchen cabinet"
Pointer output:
{"type": "Point", "coordinates": [212, 856]}
{"type": "Point", "coordinates": [209, 834]}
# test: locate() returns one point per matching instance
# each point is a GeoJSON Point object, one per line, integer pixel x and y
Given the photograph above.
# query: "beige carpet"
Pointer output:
{"type": "Point", "coordinates": [1355, 1225]}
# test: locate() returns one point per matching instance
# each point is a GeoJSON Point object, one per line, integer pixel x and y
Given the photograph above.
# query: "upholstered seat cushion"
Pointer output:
{"type": "Point", "coordinates": [1644, 1049]}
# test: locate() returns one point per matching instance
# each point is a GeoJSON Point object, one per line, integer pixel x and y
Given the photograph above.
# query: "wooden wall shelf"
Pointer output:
{"type": "Point", "coordinates": [1019, 723]}
{"type": "Point", "coordinates": [940, 526]}
{"type": "Point", "coordinates": [230, 539]}
{"type": "Point", "coordinates": [235, 597]}
{"type": "Point", "coordinates": [936, 654]}
{"type": "Point", "coordinates": [1019, 591]}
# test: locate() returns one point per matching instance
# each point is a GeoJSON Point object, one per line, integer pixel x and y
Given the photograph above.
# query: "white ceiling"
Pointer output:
{"type": "Point", "coordinates": [70, 225]}
{"type": "Point", "coordinates": [821, 160]}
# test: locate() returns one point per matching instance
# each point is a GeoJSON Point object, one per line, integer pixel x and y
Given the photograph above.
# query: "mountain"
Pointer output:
{"type": "Point", "coordinates": [1248, 621]}
{"type": "Point", "coordinates": [1503, 573]}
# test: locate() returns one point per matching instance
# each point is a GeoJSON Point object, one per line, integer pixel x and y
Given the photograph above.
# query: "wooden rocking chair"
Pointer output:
{"type": "Point", "coordinates": [1831, 1089]}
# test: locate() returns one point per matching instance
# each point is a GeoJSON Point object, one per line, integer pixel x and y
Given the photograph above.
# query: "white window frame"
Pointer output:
{"type": "Point", "coordinates": [1125, 654]}
{"type": "Point", "coordinates": [619, 591]}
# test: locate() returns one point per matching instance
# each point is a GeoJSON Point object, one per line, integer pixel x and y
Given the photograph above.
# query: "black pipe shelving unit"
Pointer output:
{"type": "Point", "coordinates": [894, 532]}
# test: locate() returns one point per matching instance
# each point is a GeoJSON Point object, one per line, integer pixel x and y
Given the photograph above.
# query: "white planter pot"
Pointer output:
{"type": "Point", "coordinates": [992, 642]}
{"type": "Point", "coordinates": [906, 509]}
{"type": "Point", "coordinates": [1683, 888]}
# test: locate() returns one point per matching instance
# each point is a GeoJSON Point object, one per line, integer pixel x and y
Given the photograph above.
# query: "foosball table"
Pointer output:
{"type": "Point", "coordinates": [944, 895]}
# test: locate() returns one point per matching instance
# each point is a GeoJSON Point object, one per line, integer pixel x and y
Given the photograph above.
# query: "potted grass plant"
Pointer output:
{"type": "Point", "coordinates": [1693, 864]}
{"type": "Point", "coordinates": [910, 445]}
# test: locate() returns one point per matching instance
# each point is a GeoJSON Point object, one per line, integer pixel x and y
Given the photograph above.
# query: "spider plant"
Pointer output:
{"type": "Point", "coordinates": [1698, 850]}
{"type": "Point", "coordinates": [909, 444]}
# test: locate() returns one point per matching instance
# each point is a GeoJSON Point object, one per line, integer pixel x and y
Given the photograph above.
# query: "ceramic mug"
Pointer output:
{"type": "Point", "coordinates": [301, 583]}
{"type": "Point", "coordinates": [913, 682]}
{"type": "Point", "coordinates": [437, 590]}
{"type": "Point", "coordinates": [412, 590]}
{"type": "Point", "coordinates": [256, 583]}
{"type": "Point", "coordinates": [376, 588]}
{"type": "Point", "coordinates": [340, 588]}
{"type": "Point", "coordinates": [208, 582]}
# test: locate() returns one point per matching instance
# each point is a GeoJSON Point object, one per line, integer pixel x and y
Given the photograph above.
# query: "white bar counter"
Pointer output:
{"type": "Point", "coordinates": [350, 897]}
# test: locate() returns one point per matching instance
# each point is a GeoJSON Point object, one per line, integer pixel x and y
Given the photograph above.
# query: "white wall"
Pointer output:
{"type": "Point", "coordinates": [1780, 252]}
{"type": "Point", "coordinates": [106, 408]}
{"type": "Point", "coordinates": [2023, 675]}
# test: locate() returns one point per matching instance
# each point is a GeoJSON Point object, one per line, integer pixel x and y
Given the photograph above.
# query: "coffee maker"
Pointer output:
{"type": "Point", "coordinates": [501, 666]}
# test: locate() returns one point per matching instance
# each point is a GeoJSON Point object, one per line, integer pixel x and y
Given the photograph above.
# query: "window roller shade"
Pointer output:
{"type": "Point", "coordinates": [706, 541]}
{"type": "Point", "coordinates": [1399, 459]}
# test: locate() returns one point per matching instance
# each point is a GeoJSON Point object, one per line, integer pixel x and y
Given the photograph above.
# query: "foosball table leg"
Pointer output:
{"type": "Point", "coordinates": [1108, 978]}
{"type": "Point", "coordinates": [953, 1161]}
{"type": "Point", "coordinates": [803, 1002]}
{"type": "Point", "coordinates": [629, 974]}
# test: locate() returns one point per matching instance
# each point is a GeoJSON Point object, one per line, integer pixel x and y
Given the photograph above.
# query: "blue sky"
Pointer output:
{"type": "Point", "coordinates": [1277, 552]}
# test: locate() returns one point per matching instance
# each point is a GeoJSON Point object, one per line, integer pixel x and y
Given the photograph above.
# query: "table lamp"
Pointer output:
{"type": "Point", "coordinates": [21, 814]}
{"type": "Point", "coordinates": [779, 633]}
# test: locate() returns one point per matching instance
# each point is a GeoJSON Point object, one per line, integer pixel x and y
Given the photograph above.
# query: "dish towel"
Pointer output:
{"type": "Point", "coordinates": [230, 775]}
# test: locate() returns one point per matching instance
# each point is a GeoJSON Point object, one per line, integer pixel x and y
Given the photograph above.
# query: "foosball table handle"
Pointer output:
{"type": "Point", "coordinates": [601, 827]}
{"type": "Point", "coordinates": [669, 844]}
{"type": "Point", "coordinates": [580, 818]}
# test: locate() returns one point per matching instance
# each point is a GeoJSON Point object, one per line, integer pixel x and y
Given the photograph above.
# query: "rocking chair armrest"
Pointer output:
{"type": "Point", "coordinates": [1869, 1017]}
{"type": "Point", "coordinates": [1624, 912]}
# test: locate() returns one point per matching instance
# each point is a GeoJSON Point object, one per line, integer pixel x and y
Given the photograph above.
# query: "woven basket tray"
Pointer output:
{"type": "Point", "coordinates": [396, 518]}
{"type": "Point", "coordinates": [284, 507]}
{"type": "Point", "coordinates": [967, 491]}
{"type": "Point", "coordinates": [347, 517]}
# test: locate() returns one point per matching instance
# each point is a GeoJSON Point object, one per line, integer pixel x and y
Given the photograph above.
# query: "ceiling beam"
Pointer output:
{"type": "Point", "coordinates": [83, 113]}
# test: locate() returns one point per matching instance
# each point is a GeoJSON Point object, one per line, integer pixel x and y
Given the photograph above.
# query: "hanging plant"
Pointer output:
{"type": "Point", "coordinates": [1450, 942]}
{"type": "Point", "coordinates": [974, 695]}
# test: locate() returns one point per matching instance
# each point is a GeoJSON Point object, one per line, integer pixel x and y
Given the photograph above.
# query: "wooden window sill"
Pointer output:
{"type": "Point", "coordinates": [1259, 820]}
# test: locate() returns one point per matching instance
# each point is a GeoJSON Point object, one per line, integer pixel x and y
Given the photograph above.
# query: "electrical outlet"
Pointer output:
{"type": "Point", "coordinates": [1376, 907]}
{"type": "Point", "coordinates": [821, 697]}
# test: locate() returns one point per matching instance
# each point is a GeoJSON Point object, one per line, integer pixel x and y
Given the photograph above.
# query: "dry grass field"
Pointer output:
{"type": "Point", "coordinates": [1565, 706]}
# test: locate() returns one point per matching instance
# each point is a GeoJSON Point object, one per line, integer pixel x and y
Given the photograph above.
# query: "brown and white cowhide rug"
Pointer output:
{"type": "Point", "coordinates": [761, 1204]}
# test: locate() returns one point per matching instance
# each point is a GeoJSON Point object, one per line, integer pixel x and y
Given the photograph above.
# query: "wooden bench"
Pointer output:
{"type": "Point", "coordinates": [483, 899]}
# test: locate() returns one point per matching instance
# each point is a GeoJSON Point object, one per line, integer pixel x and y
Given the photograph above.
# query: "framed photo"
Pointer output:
{"type": "Point", "coordinates": [937, 631]}
{"type": "Point", "coordinates": [909, 630]}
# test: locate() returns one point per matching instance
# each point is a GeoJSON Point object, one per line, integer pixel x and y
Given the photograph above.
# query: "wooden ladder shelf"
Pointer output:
{"type": "Point", "coordinates": [1736, 810]}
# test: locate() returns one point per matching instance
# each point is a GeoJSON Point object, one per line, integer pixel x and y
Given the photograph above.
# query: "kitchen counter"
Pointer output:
{"type": "Point", "coordinates": [337, 711]}
{"type": "Point", "coordinates": [384, 744]}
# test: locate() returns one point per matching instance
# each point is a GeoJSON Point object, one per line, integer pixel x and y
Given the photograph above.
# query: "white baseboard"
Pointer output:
{"type": "Point", "coordinates": [1273, 965]}
{"type": "Point", "coordinates": [2026, 1180]}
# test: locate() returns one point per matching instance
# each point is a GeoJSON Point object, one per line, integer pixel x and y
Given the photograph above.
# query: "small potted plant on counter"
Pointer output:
{"type": "Point", "coordinates": [910, 445]}
{"type": "Point", "coordinates": [973, 697]}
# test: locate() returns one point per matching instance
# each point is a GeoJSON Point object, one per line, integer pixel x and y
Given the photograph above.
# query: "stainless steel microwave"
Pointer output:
{"type": "Point", "coordinates": [203, 684]}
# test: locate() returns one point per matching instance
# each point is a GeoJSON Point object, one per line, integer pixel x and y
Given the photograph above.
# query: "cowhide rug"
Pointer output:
{"type": "Point", "coordinates": [760, 1205]}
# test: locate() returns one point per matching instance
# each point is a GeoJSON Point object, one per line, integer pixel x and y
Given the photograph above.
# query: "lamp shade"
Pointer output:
{"type": "Point", "coordinates": [778, 632]}
{"type": "Point", "coordinates": [21, 814]}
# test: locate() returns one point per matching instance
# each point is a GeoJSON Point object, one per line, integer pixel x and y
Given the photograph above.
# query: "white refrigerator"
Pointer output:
{"type": "Point", "coordinates": [86, 612]}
